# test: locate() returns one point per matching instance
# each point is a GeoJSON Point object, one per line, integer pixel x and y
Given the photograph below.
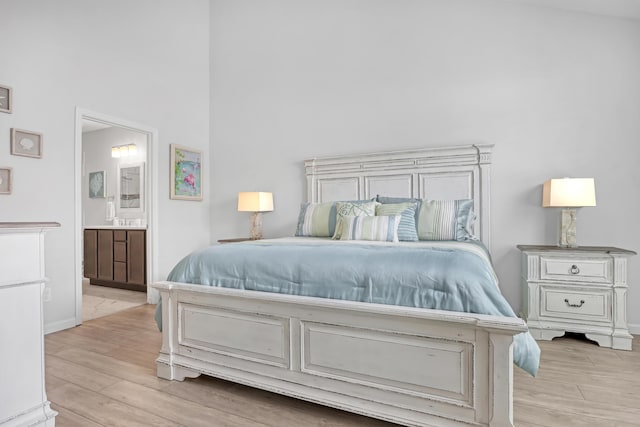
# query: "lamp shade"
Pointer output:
{"type": "Point", "coordinates": [255, 201]}
{"type": "Point", "coordinates": [569, 192]}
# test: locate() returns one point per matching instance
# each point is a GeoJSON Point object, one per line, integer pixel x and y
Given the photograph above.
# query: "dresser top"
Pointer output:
{"type": "Point", "coordinates": [579, 249]}
{"type": "Point", "coordinates": [29, 224]}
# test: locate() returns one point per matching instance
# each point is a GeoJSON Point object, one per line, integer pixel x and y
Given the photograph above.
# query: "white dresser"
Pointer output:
{"type": "Point", "coordinates": [581, 290]}
{"type": "Point", "coordinates": [23, 400]}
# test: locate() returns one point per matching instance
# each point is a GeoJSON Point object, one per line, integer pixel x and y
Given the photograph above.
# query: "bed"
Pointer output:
{"type": "Point", "coordinates": [374, 352]}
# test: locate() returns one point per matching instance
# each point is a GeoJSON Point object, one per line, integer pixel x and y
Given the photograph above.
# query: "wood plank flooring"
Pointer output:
{"type": "Point", "coordinates": [103, 374]}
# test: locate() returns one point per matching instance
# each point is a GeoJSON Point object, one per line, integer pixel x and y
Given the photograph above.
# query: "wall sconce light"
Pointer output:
{"type": "Point", "coordinates": [256, 202]}
{"type": "Point", "coordinates": [126, 150]}
{"type": "Point", "coordinates": [569, 194]}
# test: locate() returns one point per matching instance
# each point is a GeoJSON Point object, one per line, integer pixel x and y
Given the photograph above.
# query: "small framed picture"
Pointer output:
{"type": "Point", "coordinates": [186, 173]}
{"type": "Point", "coordinates": [6, 100]}
{"type": "Point", "coordinates": [97, 184]}
{"type": "Point", "coordinates": [26, 143]}
{"type": "Point", "coordinates": [6, 180]}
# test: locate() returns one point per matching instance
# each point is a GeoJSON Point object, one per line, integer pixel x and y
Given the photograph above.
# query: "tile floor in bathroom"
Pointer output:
{"type": "Point", "coordinates": [100, 301]}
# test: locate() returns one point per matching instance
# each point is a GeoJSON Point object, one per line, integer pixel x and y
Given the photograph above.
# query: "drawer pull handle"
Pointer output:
{"type": "Point", "coordinates": [574, 305]}
{"type": "Point", "coordinates": [575, 269]}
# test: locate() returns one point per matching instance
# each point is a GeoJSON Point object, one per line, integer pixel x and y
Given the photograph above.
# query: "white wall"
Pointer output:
{"type": "Point", "coordinates": [96, 155]}
{"type": "Point", "coordinates": [557, 92]}
{"type": "Point", "coordinates": [144, 61]}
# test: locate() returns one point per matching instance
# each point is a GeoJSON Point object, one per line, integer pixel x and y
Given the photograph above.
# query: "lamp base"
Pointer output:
{"type": "Point", "coordinates": [568, 228]}
{"type": "Point", "coordinates": [255, 232]}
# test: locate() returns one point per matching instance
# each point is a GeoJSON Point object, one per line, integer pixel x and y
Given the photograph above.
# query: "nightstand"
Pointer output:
{"type": "Point", "coordinates": [581, 290]}
{"type": "Point", "coordinates": [238, 239]}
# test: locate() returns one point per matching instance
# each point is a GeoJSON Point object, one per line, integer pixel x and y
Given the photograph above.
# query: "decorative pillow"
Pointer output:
{"type": "Point", "coordinates": [445, 220]}
{"type": "Point", "coordinates": [392, 200]}
{"type": "Point", "coordinates": [366, 208]}
{"type": "Point", "coordinates": [407, 211]}
{"type": "Point", "coordinates": [319, 219]}
{"type": "Point", "coordinates": [382, 228]}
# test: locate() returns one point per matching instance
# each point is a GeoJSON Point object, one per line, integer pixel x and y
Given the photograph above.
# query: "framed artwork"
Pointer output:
{"type": "Point", "coordinates": [186, 173]}
{"type": "Point", "coordinates": [26, 143]}
{"type": "Point", "coordinates": [130, 194]}
{"type": "Point", "coordinates": [6, 100]}
{"type": "Point", "coordinates": [97, 184]}
{"type": "Point", "coordinates": [6, 180]}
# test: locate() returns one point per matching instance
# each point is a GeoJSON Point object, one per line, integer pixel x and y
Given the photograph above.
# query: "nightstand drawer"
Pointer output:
{"type": "Point", "coordinates": [575, 304]}
{"type": "Point", "coordinates": [576, 269]}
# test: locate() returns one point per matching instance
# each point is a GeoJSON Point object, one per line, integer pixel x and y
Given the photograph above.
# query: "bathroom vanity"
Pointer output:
{"type": "Point", "coordinates": [116, 257]}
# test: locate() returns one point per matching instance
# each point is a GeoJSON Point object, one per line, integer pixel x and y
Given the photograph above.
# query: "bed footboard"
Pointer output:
{"type": "Point", "coordinates": [410, 366]}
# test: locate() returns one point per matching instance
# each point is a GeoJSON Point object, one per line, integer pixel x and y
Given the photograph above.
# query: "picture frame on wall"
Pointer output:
{"type": "Point", "coordinates": [97, 184]}
{"type": "Point", "coordinates": [26, 143]}
{"type": "Point", "coordinates": [6, 180]}
{"type": "Point", "coordinates": [131, 188]}
{"type": "Point", "coordinates": [186, 173]}
{"type": "Point", "coordinates": [6, 99]}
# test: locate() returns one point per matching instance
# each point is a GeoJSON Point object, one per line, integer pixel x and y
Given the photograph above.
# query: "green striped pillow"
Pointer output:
{"type": "Point", "coordinates": [445, 220]}
{"type": "Point", "coordinates": [407, 228]}
{"type": "Point", "coordinates": [317, 219]}
{"type": "Point", "coordinates": [382, 228]}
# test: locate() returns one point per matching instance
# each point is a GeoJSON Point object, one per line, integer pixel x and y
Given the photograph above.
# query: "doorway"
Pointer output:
{"type": "Point", "coordinates": [116, 214]}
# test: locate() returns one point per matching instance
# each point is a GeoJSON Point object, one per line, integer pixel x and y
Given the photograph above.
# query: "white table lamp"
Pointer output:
{"type": "Point", "coordinates": [256, 202]}
{"type": "Point", "coordinates": [569, 194]}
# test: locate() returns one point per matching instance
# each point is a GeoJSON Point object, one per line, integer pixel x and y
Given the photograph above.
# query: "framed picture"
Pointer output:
{"type": "Point", "coordinates": [26, 143]}
{"type": "Point", "coordinates": [97, 184]}
{"type": "Point", "coordinates": [186, 173]}
{"type": "Point", "coordinates": [130, 194]}
{"type": "Point", "coordinates": [6, 100]}
{"type": "Point", "coordinates": [6, 180]}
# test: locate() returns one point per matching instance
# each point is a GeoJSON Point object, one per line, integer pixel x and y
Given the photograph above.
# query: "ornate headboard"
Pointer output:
{"type": "Point", "coordinates": [442, 173]}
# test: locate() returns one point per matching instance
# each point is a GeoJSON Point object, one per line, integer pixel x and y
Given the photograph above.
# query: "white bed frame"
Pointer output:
{"type": "Point", "coordinates": [411, 366]}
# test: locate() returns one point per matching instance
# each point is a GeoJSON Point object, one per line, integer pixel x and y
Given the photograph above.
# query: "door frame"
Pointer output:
{"type": "Point", "coordinates": [151, 180]}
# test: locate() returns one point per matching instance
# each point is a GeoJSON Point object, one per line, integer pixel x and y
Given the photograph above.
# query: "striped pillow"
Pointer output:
{"type": "Point", "coordinates": [366, 208]}
{"type": "Point", "coordinates": [382, 228]}
{"type": "Point", "coordinates": [445, 220]}
{"type": "Point", "coordinates": [317, 219]}
{"type": "Point", "coordinates": [407, 211]}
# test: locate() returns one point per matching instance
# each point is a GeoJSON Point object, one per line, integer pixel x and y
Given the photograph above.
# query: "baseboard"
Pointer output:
{"type": "Point", "coordinates": [634, 328]}
{"type": "Point", "coordinates": [59, 326]}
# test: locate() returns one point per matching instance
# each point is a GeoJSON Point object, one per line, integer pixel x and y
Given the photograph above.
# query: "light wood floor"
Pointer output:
{"type": "Point", "coordinates": [100, 301]}
{"type": "Point", "coordinates": [103, 374]}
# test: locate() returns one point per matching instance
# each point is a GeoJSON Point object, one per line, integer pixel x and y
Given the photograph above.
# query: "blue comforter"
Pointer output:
{"type": "Point", "coordinates": [455, 276]}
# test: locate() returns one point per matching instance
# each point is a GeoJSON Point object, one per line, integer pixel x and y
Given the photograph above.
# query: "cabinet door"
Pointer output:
{"type": "Point", "coordinates": [120, 272]}
{"type": "Point", "coordinates": [136, 257]}
{"type": "Point", "coordinates": [105, 254]}
{"type": "Point", "coordinates": [90, 243]}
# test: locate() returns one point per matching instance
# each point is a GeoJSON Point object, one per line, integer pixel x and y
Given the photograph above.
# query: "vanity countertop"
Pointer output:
{"type": "Point", "coordinates": [114, 227]}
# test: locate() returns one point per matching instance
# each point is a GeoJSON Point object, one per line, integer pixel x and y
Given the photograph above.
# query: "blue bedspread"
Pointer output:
{"type": "Point", "coordinates": [455, 276]}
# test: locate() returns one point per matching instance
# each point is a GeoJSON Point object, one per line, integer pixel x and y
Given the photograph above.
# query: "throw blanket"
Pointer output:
{"type": "Point", "coordinates": [454, 276]}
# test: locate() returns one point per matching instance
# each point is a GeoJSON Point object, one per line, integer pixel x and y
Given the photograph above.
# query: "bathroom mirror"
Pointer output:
{"type": "Point", "coordinates": [130, 195]}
